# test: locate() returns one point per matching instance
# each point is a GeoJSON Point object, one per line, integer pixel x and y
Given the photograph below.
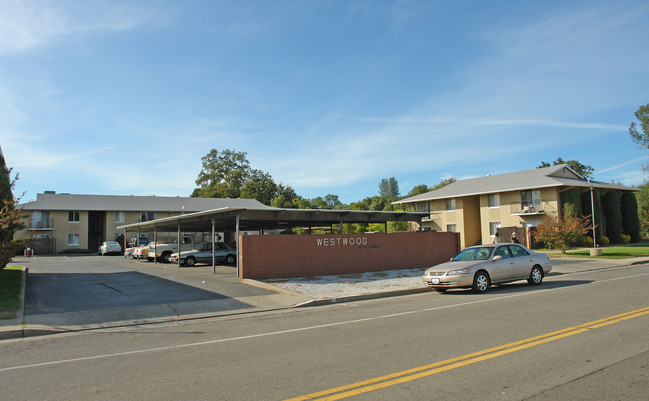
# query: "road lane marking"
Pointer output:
{"type": "Point", "coordinates": [377, 383]}
{"type": "Point", "coordinates": [299, 329]}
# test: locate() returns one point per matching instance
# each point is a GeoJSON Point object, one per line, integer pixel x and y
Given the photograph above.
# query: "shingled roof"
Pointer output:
{"type": "Point", "coordinates": [546, 177]}
{"type": "Point", "coordinates": [52, 201]}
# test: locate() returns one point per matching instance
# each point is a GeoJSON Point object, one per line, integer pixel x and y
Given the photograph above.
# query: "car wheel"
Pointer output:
{"type": "Point", "coordinates": [536, 276]}
{"type": "Point", "coordinates": [481, 282]}
{"type": "Point", "coordinates": [229, 259]}
{"type": "Point", "coordinates": [189, 262]}
{"type": "Point", "coordinates": [165, 257]}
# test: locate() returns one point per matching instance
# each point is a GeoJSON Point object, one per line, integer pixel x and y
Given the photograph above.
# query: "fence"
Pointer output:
{"type": "Point", "coordinates": [41, 246]}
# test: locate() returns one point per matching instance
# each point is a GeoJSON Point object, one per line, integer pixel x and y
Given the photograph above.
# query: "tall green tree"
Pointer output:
{"type": "Point", "coordinates": [223, 174]}
{"type": "Point", "coordinates": [389, 188]}
{"type": "Point", "coordinates": [285, 198]}
{"type": "Point", "coordinates": [583, 170]}
{"type": "Point", "coordinates": [641, 136]}
{"type": "Point", "coordinates": [259, 186]}
{"type": "Point", "coordinates": [613, 216]}
{"type": "Point", "coordinates": [643, 210]}
{"type": "Point", "coordinates": [630, 218]}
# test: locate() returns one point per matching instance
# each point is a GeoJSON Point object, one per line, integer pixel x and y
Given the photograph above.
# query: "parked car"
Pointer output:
{"type": "Point", "coordinates": [478, 267]}
{"type": "Point", "coordinates": [109, 247]}
{"type": "Point", "coordinates": [135, 243]}
{"type": "Point", "coordinates": [140, 252]}
{"type": "Point", "coordinates": [222, 253]}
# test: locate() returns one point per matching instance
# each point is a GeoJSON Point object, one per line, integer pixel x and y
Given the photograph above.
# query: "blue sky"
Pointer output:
{"type": "Point", "coordinates": [125, 97]}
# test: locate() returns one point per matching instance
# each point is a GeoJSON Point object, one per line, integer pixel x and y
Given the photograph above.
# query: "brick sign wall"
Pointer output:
{"type": "Point", "coordinates": [277, 256]}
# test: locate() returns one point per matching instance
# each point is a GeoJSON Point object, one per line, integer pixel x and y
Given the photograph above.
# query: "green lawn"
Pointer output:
{"type": "Point", "coordinates": [10, 282]}
{"type": "Point", "coordinates": [612, 252]}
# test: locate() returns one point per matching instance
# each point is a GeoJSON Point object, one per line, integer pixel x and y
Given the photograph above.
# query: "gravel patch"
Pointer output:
{"type": "Point", "coordinates": [334, 286]}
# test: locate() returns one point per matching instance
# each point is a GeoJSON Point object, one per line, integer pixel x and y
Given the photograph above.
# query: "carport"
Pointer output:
{"type": "Point", "coordinates": [235, 220]}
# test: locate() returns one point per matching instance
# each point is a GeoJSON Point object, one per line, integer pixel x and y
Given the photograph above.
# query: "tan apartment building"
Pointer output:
{"type": "Point", "coordinates": [85, 221]}
{"type": "Point", "coordinates": [477, 207]}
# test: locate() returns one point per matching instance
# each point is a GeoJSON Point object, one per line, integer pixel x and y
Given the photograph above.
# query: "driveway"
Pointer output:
{"type": "Point", "coordinates": [101, 290]}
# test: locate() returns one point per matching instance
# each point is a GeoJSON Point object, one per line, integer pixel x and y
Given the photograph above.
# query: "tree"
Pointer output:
{"type": "Point", "coordinates": [571, 198]}
{"type": "Point", "coordinates": [643, 210]}
{"type": "Point", "coordinates": [286, 198]}
{"type": "Point", "coordinates": [10, 216]}
{"type": "Point", "coordinates": [389, 188]}
{"type": "Point", "coordinates": [583, 170]}
{"type": "Point", "coordinates": [562, 233]}
{"type": "Point", "coordinates": [641, 137]}
{"type": "Point", "coordinates": [418, 190]}
{"type": "Point", "coordinates": [260, 186]}
{"type": "Point", "coordinates": [613, 216]}
{"type": "Point", "coordinates": [223, 174]}
{"type": "Point", "coordinates": [444, 182]}
{"type": "Point", "coordinates": [630, 219]}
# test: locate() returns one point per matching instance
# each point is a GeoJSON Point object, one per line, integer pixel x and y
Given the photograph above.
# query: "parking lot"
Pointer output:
{"type": "Point", "coordinates": [92, 290]}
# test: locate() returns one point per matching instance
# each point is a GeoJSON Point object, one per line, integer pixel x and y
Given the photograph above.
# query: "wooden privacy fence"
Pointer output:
{"type": "Point", "coordinates": [41, 246]}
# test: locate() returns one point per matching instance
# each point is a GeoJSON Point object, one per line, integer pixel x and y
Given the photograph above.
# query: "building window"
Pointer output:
{"type": "Point", "coordinates": [494, 200]}
{"type": "Point", "coordinates": [531, 200]}
{"type": "Point", "coordinates": [73, 217]}
{"type": "Point", "coordinates": [450, 205]}
{"type": "Point", "coordinates": [120, 217]}
{"type": "Point", "coordinates": [451, 228]}
{"type": "Point", "coordinates": [147, 216]}
{"type": "Point", "coordinates": [423, 207]}
{"type": "Point", "coordinates": [493, 228]}
{"type": "Point", "coordinates": [73, 239]}
{"type": "Point", "coordinates": [41, 219]}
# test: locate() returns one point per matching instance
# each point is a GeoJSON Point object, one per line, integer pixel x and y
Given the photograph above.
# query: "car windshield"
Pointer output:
{"type": "Point", "coordinates": [205, 247]}
{"type": "Point", "coordinates": [481, 253]}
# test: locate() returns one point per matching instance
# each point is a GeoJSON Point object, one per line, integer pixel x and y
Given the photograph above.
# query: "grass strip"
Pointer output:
{"type": "Point", "coordinates": [614, 252]}
{"type": "Point", "coordinates": [10, 283]}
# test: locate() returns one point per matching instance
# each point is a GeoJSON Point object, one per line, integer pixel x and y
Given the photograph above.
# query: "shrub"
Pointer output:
{"type": "Point", "coordinates": [604, 240]}
{"type": "Point", "coordinates": [587, 242]}
{"type": "Point", "coordinates": [74, 251]}
{"type": "Point", "coordinates": [626, 239]}
{"type": "Point", "coordinates": [612, 216]}
{"type": "Point", "coordinates": [562, 233]}
{"type": "Point", "coordinates": [630, 217]}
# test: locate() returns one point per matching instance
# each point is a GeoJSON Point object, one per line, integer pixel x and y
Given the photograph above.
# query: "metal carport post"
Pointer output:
{"type": "Point", "coordinates": [179, 249]}
{"type": "Point", "coordinates": [213, 250]}
{"type": "Point", "coordinates": [237, 243]}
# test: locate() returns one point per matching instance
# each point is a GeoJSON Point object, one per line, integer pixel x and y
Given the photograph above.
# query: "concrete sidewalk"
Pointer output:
{"type": "Point", "coordinates": [185, 293]}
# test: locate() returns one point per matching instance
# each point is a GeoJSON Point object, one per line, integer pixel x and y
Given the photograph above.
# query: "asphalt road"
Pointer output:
{"type": "Point", "coordinates": [578, 336]}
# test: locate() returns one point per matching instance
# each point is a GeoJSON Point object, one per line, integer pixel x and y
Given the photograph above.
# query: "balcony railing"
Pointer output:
{"type": "Point", "coordinates": [539, 208]}
{"type": "Point", "coordinates": [41, 224]}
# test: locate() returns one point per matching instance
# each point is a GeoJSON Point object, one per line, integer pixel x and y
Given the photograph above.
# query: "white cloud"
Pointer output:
{"type": "Point", "coordinates": [25, 25]}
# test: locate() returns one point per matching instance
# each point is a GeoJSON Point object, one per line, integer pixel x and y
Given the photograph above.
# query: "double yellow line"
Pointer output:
{"type": "Point", "coordinates": [453, 363]}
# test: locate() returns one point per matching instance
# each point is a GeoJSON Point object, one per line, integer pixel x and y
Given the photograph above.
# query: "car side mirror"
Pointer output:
{"type": "Point", "coordinates": [497, 257]}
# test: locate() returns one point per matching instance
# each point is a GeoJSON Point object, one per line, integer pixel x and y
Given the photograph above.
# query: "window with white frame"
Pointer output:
{"type": "Point", "coordinates": [120, 217]}
{"type": "Point", "coordinates": [450, 205]}
{"type": "Point", "coordinates": [451, 228]}
{"type": "Point", "coordinates": [73, 217]}
{"type": "Point", "coordinates": [493, 227]}
{"type": "Point", "coordinates": [494, 200]}
{"type": "Point", "coordinates": [73, 239]}
{"type": "Point", "coordinates": [147, 216]}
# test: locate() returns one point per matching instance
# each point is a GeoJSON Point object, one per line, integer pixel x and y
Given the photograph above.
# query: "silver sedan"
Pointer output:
{"type": "Point", "coordinates": [478, 267]}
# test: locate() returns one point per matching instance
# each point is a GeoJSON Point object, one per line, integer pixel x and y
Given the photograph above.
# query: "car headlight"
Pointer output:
{"type": "Point", "coordinates": [459, 271]}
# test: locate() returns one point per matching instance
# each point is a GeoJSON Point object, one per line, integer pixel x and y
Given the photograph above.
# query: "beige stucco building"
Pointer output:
{"type": "Point", "coordinates": [85, 221]}
{"type": "Point", "coordinates": [477, 207]}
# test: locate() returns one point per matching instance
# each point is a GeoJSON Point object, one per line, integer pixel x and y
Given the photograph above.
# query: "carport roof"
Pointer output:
{"type": "Point", "coordinates": [269, 218]}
